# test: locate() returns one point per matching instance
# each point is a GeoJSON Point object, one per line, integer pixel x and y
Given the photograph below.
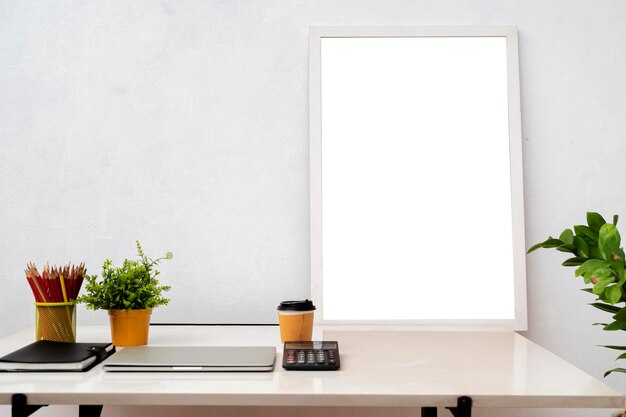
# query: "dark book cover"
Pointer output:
{"type": "Point", "coordinates": [45, 355]}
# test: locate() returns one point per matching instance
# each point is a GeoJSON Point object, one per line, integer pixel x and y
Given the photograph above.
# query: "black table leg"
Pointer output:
{"type": "Point", "coordinates": [429, 412]}
{"type": "Point", "coordinates": [20, 408]}
{"type": "Point", "coordinates": [463, 407]}
{"type": "Point", "coordinates": [89, 410]}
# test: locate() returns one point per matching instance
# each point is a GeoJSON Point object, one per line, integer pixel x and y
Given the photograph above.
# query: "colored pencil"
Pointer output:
{"type": "Point", "coordinates": [55, 284]}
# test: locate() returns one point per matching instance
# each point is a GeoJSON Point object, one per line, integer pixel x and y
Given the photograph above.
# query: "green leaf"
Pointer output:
{"type": "Point", "coordinates": [595, 221]}
{"type": "Point", "coordinates": [606, 307]}
{"type": "Point", "coordinates": [615, 218]}
{"type": "Point", "coordinates": [623, 370]}
{"type": "Point", "coordinates": [587, 290]}
{"type": "Point", "coordinates": [617, 262]}
{"type": "Point", "coordinates": [616, 325]}
{"type": "Point", "coordinates": [621, 315]}
{"type": "Point", "coordinates": [566, 247]}
{"type": "Point", "coordinates": [613, 294]}
{"type": "Point", "coordinates": [591, 265]}
{"type": "Point", "coordinates": [601, 285]}
{"type": "Point", "coordinates": [576, 261]}
{"type": "Point", "coordinates": [567, 236]}
{"type": "Point", "coordinates": [582, 249]}
{"type": "Point", "coordinates": [548, 243]}
{"type": "Point", "coordinates": [586, 232]}
{"type": "Point", "coordinates": [594, 251]}
{"type": "Point", "coordinates": [613, 347]}
{"type": "Point", "coordinates": [608, 241]}
{"type": "Point", "coordinates": [602, 272]}
{"type": "Point", "coordinates": [599, 324]}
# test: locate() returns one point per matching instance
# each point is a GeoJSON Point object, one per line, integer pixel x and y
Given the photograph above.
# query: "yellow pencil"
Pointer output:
{"type": "Point", "coordinates": [63, 288]}
{"type": "Point", "coordinates": [68, 330]}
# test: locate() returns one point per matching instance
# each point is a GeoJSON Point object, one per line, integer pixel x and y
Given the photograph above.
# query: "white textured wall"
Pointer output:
{"type": "Point", "coordinates": [185, 124]}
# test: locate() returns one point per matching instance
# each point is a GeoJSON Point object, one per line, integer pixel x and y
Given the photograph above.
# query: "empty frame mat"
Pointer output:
{"type": "Point", "coordinates": [416, 176]}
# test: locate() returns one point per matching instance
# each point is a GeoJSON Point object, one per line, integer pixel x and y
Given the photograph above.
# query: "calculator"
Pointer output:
{"type": "Point", "coordinates": [311, 356]}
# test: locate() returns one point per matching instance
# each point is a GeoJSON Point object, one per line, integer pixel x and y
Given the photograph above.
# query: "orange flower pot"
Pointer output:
{"type": "Point", "coordinates": [130, 327]}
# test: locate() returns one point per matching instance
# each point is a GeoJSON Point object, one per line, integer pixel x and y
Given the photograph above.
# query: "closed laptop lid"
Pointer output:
{"type": "Point", "coordinates": [192, 358]}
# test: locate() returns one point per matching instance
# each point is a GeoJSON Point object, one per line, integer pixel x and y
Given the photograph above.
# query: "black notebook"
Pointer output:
{"type": "Point", "coordinates": [45, 355]}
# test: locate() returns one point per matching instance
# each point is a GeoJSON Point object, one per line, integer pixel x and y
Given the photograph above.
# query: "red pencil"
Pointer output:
{"type": "Point", "coordinates": [47, 287]}
{"type": "Point", "coordinates": [32, 287]}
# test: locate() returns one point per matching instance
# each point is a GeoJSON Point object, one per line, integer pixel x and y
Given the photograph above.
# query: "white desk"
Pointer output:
{"type": "Point", "coordinates": [378, 368]}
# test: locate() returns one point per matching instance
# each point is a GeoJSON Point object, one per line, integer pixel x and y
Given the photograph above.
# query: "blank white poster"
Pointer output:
{"type": "Point", "coordinates": [416, 182]}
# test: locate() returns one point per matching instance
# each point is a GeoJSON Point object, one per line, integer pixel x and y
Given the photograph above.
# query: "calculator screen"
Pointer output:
{"type": "Point", "coordinates": [311, 345]}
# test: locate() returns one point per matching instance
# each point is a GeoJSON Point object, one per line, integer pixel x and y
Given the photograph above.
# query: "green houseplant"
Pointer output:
{"type": "Point", "coordinates": [129, 293]}
{"type": "Point", "coordinates": [599, 260]}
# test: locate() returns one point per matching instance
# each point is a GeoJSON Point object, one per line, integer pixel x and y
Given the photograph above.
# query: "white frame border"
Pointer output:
{"type": "Point", "coordinates": [515, 143]}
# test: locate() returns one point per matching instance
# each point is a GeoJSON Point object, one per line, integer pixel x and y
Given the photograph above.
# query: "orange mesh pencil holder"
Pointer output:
{"type": "Point", "coordinates": [55, 321]}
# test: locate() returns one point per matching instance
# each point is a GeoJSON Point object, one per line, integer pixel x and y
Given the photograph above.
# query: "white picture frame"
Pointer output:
{"type": "Point", "coordinates": [345, 66]}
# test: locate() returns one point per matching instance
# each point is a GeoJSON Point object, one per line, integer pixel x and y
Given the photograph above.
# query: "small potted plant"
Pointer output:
{"type": "Point", "coordinates": [129, 293]}
{"type": "Point", "coordinates": [599, 260]}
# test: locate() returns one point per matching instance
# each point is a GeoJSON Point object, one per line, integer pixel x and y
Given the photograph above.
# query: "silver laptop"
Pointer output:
{"type": "Point", "coordinates": [192, 359]}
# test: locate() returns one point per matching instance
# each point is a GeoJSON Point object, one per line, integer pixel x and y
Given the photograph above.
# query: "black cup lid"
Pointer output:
{"type": "Point", "coordinates": [301, 305]}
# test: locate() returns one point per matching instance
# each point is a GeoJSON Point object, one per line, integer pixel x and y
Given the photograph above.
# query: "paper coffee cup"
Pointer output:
{"type": "Point", "coordinates": [295, 319]}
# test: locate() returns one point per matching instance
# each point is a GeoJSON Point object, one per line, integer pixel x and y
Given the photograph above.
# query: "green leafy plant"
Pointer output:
{"type": "Point", "coordinates": [600, 262]}
{"type": "Point", "coordinates": [133, 286]}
